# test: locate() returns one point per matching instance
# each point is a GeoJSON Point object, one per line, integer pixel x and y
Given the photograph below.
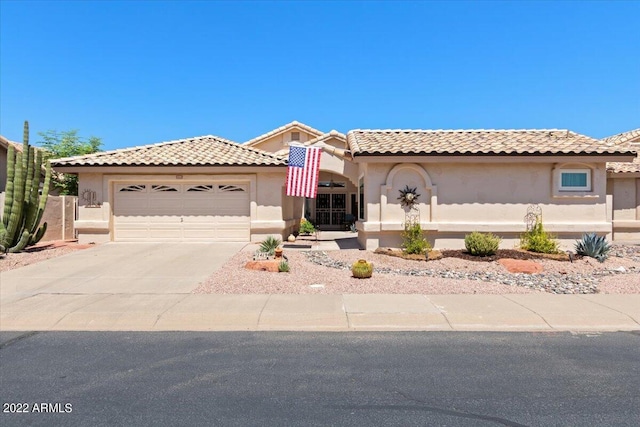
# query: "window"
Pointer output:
{"type": "Point", "coordinates": [332, 184]}
{"type": "Point", "coordinates": [162, 188]}
{"type": "Point", "coordinates": [361, 198]}
{"type": "Point", "coordinates": [134, 188]}
{"type": "Point", "coordinates": [295, 136]}
{"type": "Point", "coordinates": [205, 188]}
{"type": "Point", "coordinates": [575, 180]}
{"type": "Point", "coordinates": [226, 188]}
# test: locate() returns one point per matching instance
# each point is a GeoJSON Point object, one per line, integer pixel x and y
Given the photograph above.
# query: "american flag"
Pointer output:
{"type": "Point", "coordinates": [303, 171]}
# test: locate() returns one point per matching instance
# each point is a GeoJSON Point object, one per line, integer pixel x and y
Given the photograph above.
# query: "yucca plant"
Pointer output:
{"type": "Point", "coordinates": [269, 245]}
{"type": "Point", "coordinates": [283, 267]}
{"type": "Point", "coordinates": [593, 246]}
{"type": "Point", "coordinates": [362, 269]}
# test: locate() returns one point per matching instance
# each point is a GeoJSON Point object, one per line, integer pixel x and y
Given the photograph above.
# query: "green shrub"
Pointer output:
{"type": "Point", "coordinates": [481, 244]}
{"type": "Point", "coordinates": [269, 245]}
{"type": "Point", "coordinates": [413, 241]}
{"type": "Point", "coordinates": [362, 269]}
{"type": "Point", "coordinates": [283, 267]}
{"type": "Point", "coordinates": [593, 246]}
{"type": "Point", "coordinates": [539, 240]}
{"type": "Point", "coordinates": [306, 227]}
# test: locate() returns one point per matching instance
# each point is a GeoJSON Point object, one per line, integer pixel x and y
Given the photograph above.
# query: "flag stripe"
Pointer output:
{"type": "Point", "coordinates": [303, 171]}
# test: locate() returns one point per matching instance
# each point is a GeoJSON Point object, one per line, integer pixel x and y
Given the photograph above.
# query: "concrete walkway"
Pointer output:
{"type": "Point", "coordinates": [196, 312]}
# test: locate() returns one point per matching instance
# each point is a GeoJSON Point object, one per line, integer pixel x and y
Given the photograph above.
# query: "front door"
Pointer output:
{"type": "Point", "coordinates": [331, 210]}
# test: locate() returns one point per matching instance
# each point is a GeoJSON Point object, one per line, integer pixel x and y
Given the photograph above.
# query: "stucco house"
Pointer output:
{"type": "Point", "coordinates": [4, 147]}
{"type": "Point", "coordinates": [212, 189]}
{"type": "Point", "coordinates": [623, 185]}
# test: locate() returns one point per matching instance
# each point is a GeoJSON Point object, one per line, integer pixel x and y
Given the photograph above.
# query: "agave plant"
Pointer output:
{"type": "Point", "coordinates": [593, 246]}
{"type": "Point", "coordinates": [283, 267]}
{"type": "Point", "coordinates": [269, 245]}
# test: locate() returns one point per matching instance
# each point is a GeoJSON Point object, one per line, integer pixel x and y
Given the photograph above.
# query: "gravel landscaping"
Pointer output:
{"type": "Point", "coordinates": [329, 272]}
{"type": "Point", "coordinates": [40, 252]}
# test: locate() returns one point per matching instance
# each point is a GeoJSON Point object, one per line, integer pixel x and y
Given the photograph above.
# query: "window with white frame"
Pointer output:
{"type": "Point", "coordinates": [575, 180]}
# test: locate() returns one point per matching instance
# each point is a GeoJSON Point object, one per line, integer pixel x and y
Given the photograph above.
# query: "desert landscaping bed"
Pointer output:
{"type": "Point", "coordinates": [40, 252]}
{"type": "Point", "coordinates": [329, 272]}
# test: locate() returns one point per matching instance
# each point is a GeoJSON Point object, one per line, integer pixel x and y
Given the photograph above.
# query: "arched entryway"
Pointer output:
{"type": "Point", "coordinates": [335, 207]}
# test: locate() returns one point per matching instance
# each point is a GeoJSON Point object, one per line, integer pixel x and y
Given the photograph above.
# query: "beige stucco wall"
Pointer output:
{"type": "Point", "coordinates": [281, 141]}
{"type": "Point", "coordinates": [458, 198]}
{"type": "Point", "coordinates": [625, 192]}
{"type": "Point", "coordinates": [271, 212]}
{"type": "Point", "coordinates": [59, 214]}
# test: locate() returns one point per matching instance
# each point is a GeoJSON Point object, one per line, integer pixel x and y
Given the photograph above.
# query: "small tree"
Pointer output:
{"type": "Point", "coordinates": [67, 144]}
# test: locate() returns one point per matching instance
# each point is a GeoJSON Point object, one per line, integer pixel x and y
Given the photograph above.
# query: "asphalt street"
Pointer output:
{"type": "Point", "coordinates": [307, 379]}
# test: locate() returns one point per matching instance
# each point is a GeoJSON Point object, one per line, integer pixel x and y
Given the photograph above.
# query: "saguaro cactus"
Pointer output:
{"type": "Point", "coordinates": [23, 205]}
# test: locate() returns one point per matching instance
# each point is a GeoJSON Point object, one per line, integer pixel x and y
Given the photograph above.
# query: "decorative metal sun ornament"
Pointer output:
{"type": "Point", "coordinates": [408, 197]}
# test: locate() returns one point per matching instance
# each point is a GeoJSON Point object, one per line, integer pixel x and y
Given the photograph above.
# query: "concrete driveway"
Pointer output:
{"type": "Point", "coordinates": [123, 268]}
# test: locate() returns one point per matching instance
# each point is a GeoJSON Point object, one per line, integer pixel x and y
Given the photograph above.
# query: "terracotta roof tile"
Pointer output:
{"type": "Point", "coordinates": [624, 167]}
{"type": "Point", "coordinates": [325, 136]}
{"type": "Point", "coordinates": [200, 151]}
{"type": "Point", "coordinates": [630, 136]}
{"type": "Point", "coordinates": [284, 128]}
{"type": "Point", "coordinates": [4, 142]}
{"type": "Point", "coordinates": [473, 142]}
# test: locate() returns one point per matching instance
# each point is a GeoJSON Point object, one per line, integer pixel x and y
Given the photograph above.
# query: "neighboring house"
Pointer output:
{"type": "Point", "coordinates": [4, 147]}
{"type": "Point", "coordinates": [623, 185]}
{"type": "Point", "coordinates": [212, 189]}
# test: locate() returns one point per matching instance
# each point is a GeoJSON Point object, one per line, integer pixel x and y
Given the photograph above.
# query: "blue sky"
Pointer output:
{"type": "Point", "coordinates": [134, 73]}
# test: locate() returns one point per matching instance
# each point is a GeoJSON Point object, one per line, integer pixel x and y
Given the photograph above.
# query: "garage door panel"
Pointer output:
{"type": "Point", "coordinates": [185, 212]}
{"type": "Point", "coordinates": [196, 232]}
{"type": "Point", "coordinates": [164, 231]}
{"type": "Point", "coordinates": [205, 220]}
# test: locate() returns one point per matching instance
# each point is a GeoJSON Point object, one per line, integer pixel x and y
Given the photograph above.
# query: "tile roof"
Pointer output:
{"type": "Point", "coordinates": [4, 142]}
{"type": "Point", "coordinates": [624, 167]}
{"type": "Point", "coordinates": [284, 153]}
{"type": "Point", "coordinates": [200, 151]}
{"type": "Point", "coordinates": [284, 128]}
{"type": "Point", "coordinates": [325, 136]}
{"type": "Point", "coordinates": [630, 136]}
{"type": "Point", "coordinates": [478, 142]}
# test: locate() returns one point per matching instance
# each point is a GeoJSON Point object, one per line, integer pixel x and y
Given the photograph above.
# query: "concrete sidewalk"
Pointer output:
{"type": "Point", "coordinates": [212, 312]}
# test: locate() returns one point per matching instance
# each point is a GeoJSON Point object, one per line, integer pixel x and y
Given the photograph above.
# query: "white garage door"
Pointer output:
{"type": "Point", "coordinates": [197, 212]}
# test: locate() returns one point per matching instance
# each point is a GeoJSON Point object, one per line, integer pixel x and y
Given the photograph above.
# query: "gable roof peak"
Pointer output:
{"type": "Point", "coordinates": [282, 129]}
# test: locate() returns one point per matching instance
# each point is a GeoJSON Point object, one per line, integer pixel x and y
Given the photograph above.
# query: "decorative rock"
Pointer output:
{"type": "Point", "coordinates": [263, 265]}
{"type": "Point", "coordinates": [291, 238]}
{"type": "Point", "coordinates": [558, 283]}
{"type": "Point", "coordinates": [520, 266]}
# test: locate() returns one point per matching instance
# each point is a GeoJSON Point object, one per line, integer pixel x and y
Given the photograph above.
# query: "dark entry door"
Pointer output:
{"type": "Point", "coordinates": [331, 210]}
